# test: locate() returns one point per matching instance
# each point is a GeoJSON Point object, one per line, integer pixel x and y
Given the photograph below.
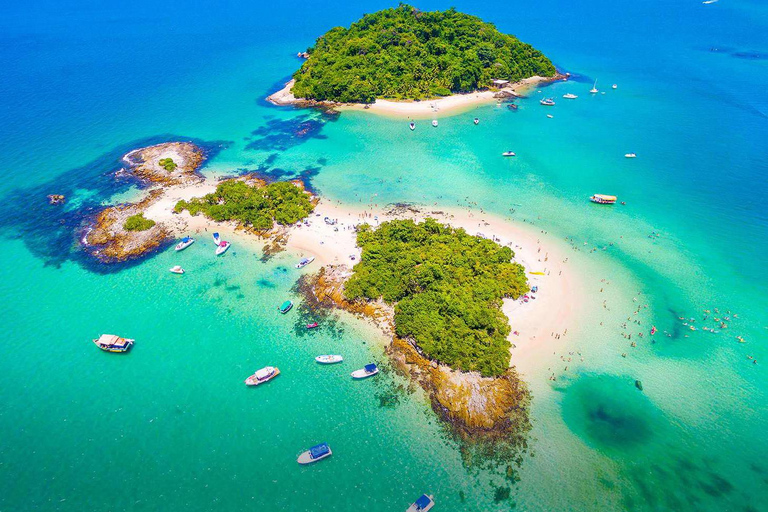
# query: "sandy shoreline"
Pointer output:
{"type": "Point", "coordinates": [534, 324]}
{"type": "Point", "coordinates": [448, 105]}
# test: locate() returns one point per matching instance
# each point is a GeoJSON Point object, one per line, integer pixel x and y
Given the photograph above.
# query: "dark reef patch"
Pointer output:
{"type": "Point", "coordinates": [50, 232]}
{"type": "Point", "coordinates": [283, 134]}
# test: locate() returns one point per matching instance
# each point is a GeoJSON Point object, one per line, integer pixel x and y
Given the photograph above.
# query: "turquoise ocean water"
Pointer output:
{"type": "Point", "coordinates": [172, 426]}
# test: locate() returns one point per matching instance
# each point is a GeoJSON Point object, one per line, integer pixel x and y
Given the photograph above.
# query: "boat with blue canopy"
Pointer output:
{"type": "Point", "coordinates": [304, 262]}
{"type": "Point", "coordinates": [112, 343]}
{"type": "Point", "coordinates": [422, 504]}
{"type": "Point", "coordinates": [184, 243]}
{"type": "Point", "coordinates": [368, 370]}
{"type": "Point", "coordinates": [314, 454]}
{"type": "Point", "coordinates": [285, 307]}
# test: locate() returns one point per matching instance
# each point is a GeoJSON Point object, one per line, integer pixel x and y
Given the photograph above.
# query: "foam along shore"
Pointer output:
{"type": "Point", "coordinates": [446, 105]}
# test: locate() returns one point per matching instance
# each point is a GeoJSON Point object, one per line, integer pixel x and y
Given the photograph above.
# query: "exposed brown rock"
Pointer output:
{"type": "Point", "coordinates": [144, 163]}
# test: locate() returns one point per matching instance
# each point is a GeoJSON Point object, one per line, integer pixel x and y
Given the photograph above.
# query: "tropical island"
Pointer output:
{"type": "Point", "coordinates": [405, 54]}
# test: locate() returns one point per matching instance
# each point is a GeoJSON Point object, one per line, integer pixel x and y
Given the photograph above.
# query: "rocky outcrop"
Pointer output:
{"type": "Point", "coordinates": [492, 408]}
{"type": "Point", "coordinates": [109, 242]}
{"type": "Point", "coordinates": [145, 163]}
{"type": "Point", "coordinates": [56, 199]}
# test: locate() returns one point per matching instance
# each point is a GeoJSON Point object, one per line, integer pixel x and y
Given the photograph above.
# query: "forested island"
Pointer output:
{"type": "Point", "coordinates": [407, 54]}
{"type": "Point", "coordinates": [447, 287]}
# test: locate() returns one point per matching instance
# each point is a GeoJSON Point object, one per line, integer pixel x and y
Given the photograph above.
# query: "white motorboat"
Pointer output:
{"type": "Point", "coordinates": [422, 504]}
{"type": "Point", "coordinates": [594, 90]}
{"type": "Point", "coordinates": [434, 123]}
{"type": "Point", "coordinates": [368, 370]}
{"type": "Point", "coordinates": [304, 262]}
{"type": "Point", "coordinates": [547, 102]}
{"type": "Point", "coordinates": [216, 238]}
{"type": "Point", "coordinates": [550, 116]}
{"type": "Point", "coordinates": [329, 359]}
{"type": "Point", "coordinates": [314, 454]}
{"type": "Point", "coordinates": [184, 243]}
{"type": "Point", "coordinates": [477, 121]}
{"type": "Point", "coordinates": [222, 247]}
{"type": "Point", "coordinates": [614, 86]}
{"type": "Point", "coordinates": [412, 126]}
{"type": "Point", "coordinates": [177, 269]}
{"type": "Point", "coordinates": [263, 375]}
{"type": "Point", "coordinates": [570, 96]}
{"type": "Point", "coordinates": [508, 153]}
{"type": "Point", "coordinates": [630, 155]}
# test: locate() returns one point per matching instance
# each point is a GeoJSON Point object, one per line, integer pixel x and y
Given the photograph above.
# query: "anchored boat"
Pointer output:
{"type": "Point", "coordinates": [434, 123]}
{"type": "Point", "coordinates": [314, 454]}
{"type": "Point", "coordinates": [570, 96]}
{"type": "Point", "coordinates": [177, 269]}
{"type": "Point", "coordinates": [368, 371]}
{"type": "Point", "coordinates": [285, 307]}
{"type": "Point", "coordinates": [329, 359]}
{"type": "Point", "coordinates": [422, 504]}
{"type": "Point", "coordinates": [508, 153]}
{"type": "Point", "coordinates": [185, 242]}
{"type": "Point", "coordinates": [477, 121]}
{"type": "Point", "coordinates": [603, 199]}
{"type": "Point", "coordinates": [261, 376]}
{"type": "Point", "coordinates": [112, 343]}
{"type": "Point", "coordinates": [548, 102]}
{"type": "Point", "coordinates": [412, 126]}
{"type": "Point", "coordinates": [630, 155]}
{"type": "Point", "coordinates": [304, 262]}
{"type": "Point", "coordinates": [222, 247]}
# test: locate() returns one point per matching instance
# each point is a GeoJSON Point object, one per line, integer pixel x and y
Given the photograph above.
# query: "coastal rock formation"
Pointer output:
{"type": "Point", "coordinates": [147, 163]}
{"type": "Point", "coordinates": [159, 166]}
{"type": "Point", "coordinates": [491, 408]}
{"type": "Point", "coordinates": [109, 242]}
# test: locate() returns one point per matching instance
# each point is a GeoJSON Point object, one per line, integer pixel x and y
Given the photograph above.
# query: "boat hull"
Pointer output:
{"type": "Point", "coordinates": [362, 374]}
{"type": "Point", "coordinates": [329, 359]}
{"type": "Point", "coordinates": [253, 381]}
{"type": "Point", "coordinates": [222, 249]}
{"type": "Point", "coordinates": [306, 458]}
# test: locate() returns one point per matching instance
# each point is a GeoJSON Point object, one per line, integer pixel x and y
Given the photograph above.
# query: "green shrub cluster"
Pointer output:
{"type": "Point", "coordinates": [258, 207]}
{"type": "Point", "coordinates": [138, 223]}
{"type": "Point", "coordinates": [447, 288]}
{"type": "Point", "coordinates": [404, 53]}
{"type": "Point", "coordinates": [168, 164]}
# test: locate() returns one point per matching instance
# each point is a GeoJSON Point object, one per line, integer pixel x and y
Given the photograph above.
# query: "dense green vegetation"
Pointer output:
{"type": "Point", "coordinates": [138, 223]}
{"type": "Point", "coordinates": [254, 206]}
{"type": "Point", "coordinates": [405, 53]}
{"type": "Point", "coordinates": [168, 164]}
{"type": "Point", "coordinates": [447, 288]}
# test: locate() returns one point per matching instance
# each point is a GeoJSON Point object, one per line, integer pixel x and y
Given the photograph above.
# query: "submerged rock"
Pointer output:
{"type": "Point", "coordinates": [56, 199]}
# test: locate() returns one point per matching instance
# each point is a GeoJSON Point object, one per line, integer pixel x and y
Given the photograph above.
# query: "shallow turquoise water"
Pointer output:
{"type": "Point", "coordinates": [171, 424]}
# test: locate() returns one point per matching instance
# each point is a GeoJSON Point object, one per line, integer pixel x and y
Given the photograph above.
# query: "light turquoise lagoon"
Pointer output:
{"type": "Point", "coordinates": [171, 425]}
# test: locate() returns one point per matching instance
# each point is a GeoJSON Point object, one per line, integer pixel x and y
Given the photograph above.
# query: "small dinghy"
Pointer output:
{"type": "Point", "coordinates": [312, 325]}
{"type": "Point", "coordinates": [261, 376]}
{"type": "Point", "coordinates": [285, 307]}
{"type": "Point", "coordinates": [422, 504]}
{"type": "Point", "coordinates": [329, 359]}
{"type": "Point", "coordinates": [477, 121]}
{"type": "Point", "coordinates": [412, 126]}
{"type": "Point", "coordinates": [434, 123]}
{"type": "Point", "coordinates": [177, 269]}
{"type": "Point", "coordinates": [630, 155]}
{"type": "Point", "coordinates": [614, 86]}
{"type": "Point", "coordinates": [185, 242]}
{"type": "Point", "coordinates": [304, 262]}
{"type": "Point", "coordinates": [222, 247]}
{"type": "Point", "coordinates": [314, 454]}
{"type": "Point", "coordinates": [368, 371]}
{"type": "Point", "coordinates": [508, 153]}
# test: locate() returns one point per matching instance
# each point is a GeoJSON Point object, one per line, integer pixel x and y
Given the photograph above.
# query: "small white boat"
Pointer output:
{"type": "Point", "coordinates": [184, 243]}
{"type": "Point", "coordinates": [707, 2]}
{"type": "Point", "coordinates": [412, 126]}
{"type": "Point", "coordinates": [422, 504]}
{"type": "Point", "coordinates": [570, 96]}
{"type": "Point", "coordinates": [550, 116]}
{"type": "Point", "coordinates": [216, 238]}
{"type": "Point", "coordinates": [304, 262]}
{"type": "Point", "coordinates": [614, 86]}
{"type": "Point", "coordinates": [329, 359]}
{"type": "Point", "coordinates": [368, 370]}
{"type": "Point", "coordinates": [177, 269]}
{"type": "Point", "coordinates": [594, 90]}
{"type": "Point", "coordinates": [434, 123]}
{"type": "Point", "coordinates": [222, 247]}
{"type": "Point", "coordinates": [630, 155]}
{"type": "Point", "coordinates": [314, 454]}
{"type": "Point", "coordinates": [508, 153]}
{"type": "Point", "coordinates": [547, 102]}
{"type": "Point", "coordinates": [261, 376]}
{"type": "Point", "coordinates": [112, 343]}
{"type": "Point", "coordinates": [477, 121]}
